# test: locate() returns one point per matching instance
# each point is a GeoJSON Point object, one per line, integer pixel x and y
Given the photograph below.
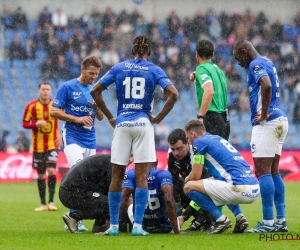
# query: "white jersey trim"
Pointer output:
{"type": "Point", "coordinates": [206, 83]}
{"type": "Point", "coordinates": [259, 105]}
{"type": "Point", "coordinates": [219, 168]}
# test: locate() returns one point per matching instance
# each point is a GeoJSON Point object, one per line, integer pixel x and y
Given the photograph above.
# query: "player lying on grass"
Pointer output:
{"type": "Point", "coordinates": [232, 181]}
{"type": "Point", "coordinates": [160, 214]}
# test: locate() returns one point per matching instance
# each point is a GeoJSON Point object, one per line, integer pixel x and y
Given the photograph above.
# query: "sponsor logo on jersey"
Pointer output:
{"type": "Point", "coordinates": [76, 94]}
{"type": "Point", "coordinates": [127, 113]}
{"type": "Point", "coordinates": [56, 101]}
{"type": "Point", "coordinates": [250, 89]}
{"type": "Point", "coordinates": [81, 108]}
{"type": "Point", "coordinates": [132, 106]}
{"type": "Point", "coordinates": [150, 216]}
{"type": "Point", "coordinates": [134, 66]}
{"type": "Point", "coordinates": [131, 124]}
{"type": "Point", "coordinates": [151, 178]}
{"type": "Point", "coordinates": [247, 174]}
{"type": "Point", "coordinates": [252, 196]}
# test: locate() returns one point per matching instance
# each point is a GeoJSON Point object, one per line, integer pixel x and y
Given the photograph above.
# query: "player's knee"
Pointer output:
{"type": "Point", "coordinates": [187, 188]}
{"type": "Point", "coordinates": [41, 176]}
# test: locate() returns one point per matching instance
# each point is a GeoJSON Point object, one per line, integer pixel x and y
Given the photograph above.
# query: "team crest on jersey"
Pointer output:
{"type": "Point", "coordinates": [256, 70]}
{"type": "Point", "coordinates": [195, 150]}
{"type": "Point", "coordinates": [253, 147]}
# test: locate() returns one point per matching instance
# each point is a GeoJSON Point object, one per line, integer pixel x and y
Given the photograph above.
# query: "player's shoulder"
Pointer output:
{"type": "Point", "coordinates": [33, 102]}
{"type": "Point", "coordinates": [162, 173]}
{"type": "Point", "coordinates": [70, 83]}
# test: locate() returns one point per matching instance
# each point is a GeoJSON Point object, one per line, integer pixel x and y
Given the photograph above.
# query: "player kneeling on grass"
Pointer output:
{"type": "Point", "coordinates": [160, 214]}
{"type": "Point", "coordinates": [232, 181]}
{"type": "Point", "coordinates": [84, 188]}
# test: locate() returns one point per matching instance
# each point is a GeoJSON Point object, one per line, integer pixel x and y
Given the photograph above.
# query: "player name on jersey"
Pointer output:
{"type": "Point", "coordinates": [133, 106]}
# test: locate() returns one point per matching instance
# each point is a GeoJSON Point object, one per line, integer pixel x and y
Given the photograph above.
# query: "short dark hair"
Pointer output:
{"type": "Point", "coordinates": [196, 126]}
{"type": "Point", "coordinates": [91, 61]}
{"type": "Point", "coordinates": [205, 49]}
{"type": "Point", "coordinates": [44, 83]}
{"type": "Point", "coordinates": [176, 135]}
{"type": "Point", "coordinates": [141, 45]}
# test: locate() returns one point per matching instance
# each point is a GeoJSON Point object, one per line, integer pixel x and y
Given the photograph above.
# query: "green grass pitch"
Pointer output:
{"type": "Point", "coordinates": [23, 228]}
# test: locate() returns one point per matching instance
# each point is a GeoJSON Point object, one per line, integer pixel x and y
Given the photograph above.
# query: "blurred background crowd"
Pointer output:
{"type": "Point", "coordinates": [51, 47]}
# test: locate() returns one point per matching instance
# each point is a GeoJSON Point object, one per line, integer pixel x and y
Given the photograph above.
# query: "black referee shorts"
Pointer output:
{"type": "Point", "coordinates": [217, 124]}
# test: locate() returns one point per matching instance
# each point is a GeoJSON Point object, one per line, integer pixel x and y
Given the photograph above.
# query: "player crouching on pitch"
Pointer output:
{"type": "Point", "coordinates": [232, 181]}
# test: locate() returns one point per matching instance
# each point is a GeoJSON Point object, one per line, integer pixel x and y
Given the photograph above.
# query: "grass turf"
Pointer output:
{"type": "Point", "coordinates": [23, 228]}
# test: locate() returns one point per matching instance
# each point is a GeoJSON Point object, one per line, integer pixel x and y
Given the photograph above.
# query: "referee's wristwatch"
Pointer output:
{"type": "Point", "coordinates": [200, 116]}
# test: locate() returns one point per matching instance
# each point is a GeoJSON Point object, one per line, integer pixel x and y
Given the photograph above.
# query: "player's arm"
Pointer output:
{"type": "Point", "coordinates": [172, 93]}
{"type": "Point", "coordinates": [63, 116]}
{"type": "Point", "coordinates": [266, 95]}
{"type": "Point", "coordinates": [99, 114]}
{"type": "Point", "coordinates": [168, 193]}
{"type": "Point", "coordinates": [28, 123]}
{"type": "Point", "coordinates": [126, 193]}
{"type": "Point", "coordinates": [207, 98]}
{"type": "Point", "coordinates": [195, 174]}
{"type": "Point", "coordinates": [96, 93]}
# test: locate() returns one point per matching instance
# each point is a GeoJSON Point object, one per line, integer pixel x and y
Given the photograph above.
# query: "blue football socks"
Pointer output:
{"type": "Point", "coordinates": [267, 191]}
{"type": "Point", "coordinates": [235, 209]}
{"type": "Point", "coordinates": [279, 197]}
{"type": "Point", "coordinates": [114, 201]}
{"type": "Point", "coordinates": [206, 203]}
{"type": "Point", "coordinates": [141, 199]}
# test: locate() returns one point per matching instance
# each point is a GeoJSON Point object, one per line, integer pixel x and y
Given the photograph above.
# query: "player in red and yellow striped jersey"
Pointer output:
{"type": "Point", "coordinates": [45, 143]}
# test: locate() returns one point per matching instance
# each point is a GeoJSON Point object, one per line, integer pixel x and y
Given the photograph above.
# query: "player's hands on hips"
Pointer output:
{"type": "Point", "coordinates": [86, 120]}
{"type": "Point", "coordinates": [153, 120]}
{"type": "Point", "coordinates": [112, 122]}
{"type": "Point", "coordinates": [193, 76]}
{"type": "Point", "coordinates": [40, 123]}
{"type": "Point", "coordinates": [260, 118]}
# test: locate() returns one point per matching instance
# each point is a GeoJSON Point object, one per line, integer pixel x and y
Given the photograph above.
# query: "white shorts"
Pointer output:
{"type": "Point", "coordinates": [268, 137]}
{"type": "Point", "coordinates": [74, 153]}
{"type": "Point", "coordinates": [223, 193]}
{"type": "Point", "coordinates": [136, 137]}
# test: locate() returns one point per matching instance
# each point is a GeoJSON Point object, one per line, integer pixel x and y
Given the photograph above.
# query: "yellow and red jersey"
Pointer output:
{"type": "Point", "coordinates": [43, 139]}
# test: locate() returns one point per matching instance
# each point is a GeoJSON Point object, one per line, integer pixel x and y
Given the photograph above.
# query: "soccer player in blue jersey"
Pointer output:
{"type": "Point", "coordinates": [75, 106]}
{"type": "Point", "coordinates": [270, 127]}
{"type": "Point", "coordinates": [232, 181]}
{"type": "Point", "coordinates": [135, 81]}
{"type": "Point", "coordinates": [160, 214]}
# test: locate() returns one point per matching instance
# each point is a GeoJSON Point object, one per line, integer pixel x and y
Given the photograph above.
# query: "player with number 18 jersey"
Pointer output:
{"type": "Point", "coordinates": [135, 84]}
